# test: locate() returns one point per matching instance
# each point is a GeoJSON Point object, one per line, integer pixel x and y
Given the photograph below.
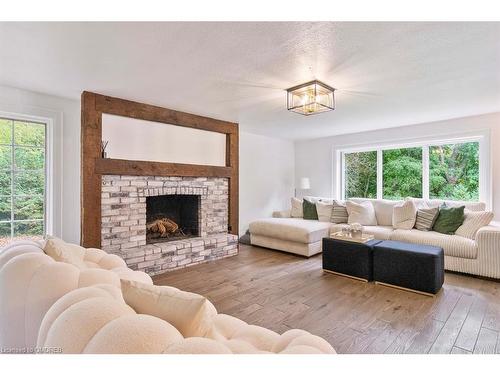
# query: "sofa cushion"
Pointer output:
{"type": "Point", "coordinates": [384, 210]}
{"type": "Point", "coordinates": [452, 245]}
{"type": "Point", "coordinates": [324, 211]}
{"type": "Point", "coordinates": [404, 215]}
{"type": "Point", "coordinates": [380, 232]}
{"type": "Point", "coordinates": [298, 230]}
{"type": "Point", "coordinates": [192, 314]}
{"type": "Point", "coordinates": [61, 251]}
{"type": "Point", "coordinates": [449, 219]}
{"type": "Point", "coordinates": [362, 213]}
{"type": "Point", "coordinates": [429, 203]}
{"type": "Point", "coordinates": [297, 210]}
{"type": "Point", "coordinates": [474, 220]}
{"type": "Point", "coordinates": [339, 212]}
{"type": "Point", "coordinates": [426, 217]}
{"type": "Point", "coordinates": [309, 210]}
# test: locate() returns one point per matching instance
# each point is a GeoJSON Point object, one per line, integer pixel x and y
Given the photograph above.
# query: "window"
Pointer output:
{"type": "Point", "coordinates": [441, 170]}
{"type": "Point", "coordinates": [22, 180]}
{"type": "Point", "coordinates": [361, 174]}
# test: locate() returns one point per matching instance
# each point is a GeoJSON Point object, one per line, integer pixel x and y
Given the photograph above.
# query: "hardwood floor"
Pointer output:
{"type": "Point", "coordinates": [280, 291]}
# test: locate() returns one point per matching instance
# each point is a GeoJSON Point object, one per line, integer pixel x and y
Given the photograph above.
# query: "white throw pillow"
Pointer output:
{"type": "Point", "coordinates": [383, 211]}
{"type": "Point", "coordinates": [297, 209]}
{"type": "Point", "coordinates": [65, 252]}
{"type": "Point", "coordinates": [474, 220]}
{"type": "Point", "coordinates": [190, 313]}
{"type": "Point", "coordinates": [362, 213]}
{"type": "Point", "coordinates": [404, 215]}
{"type": "Point", "coordinates": [324, 211]}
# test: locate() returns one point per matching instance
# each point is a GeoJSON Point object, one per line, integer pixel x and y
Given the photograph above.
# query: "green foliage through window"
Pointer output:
{"type": "Point", "coordinates": [402, 173]}
{"type": "Point", "coordinates": [22, 179]}
{"type": "Point", "coordinates": [361, 174]}
{"type": "Point", "coordinates": [453, 172]}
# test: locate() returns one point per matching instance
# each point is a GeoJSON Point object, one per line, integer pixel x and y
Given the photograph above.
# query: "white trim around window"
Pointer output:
{"type": "Point", "coordinates": [52, 121]}
{"type": "Point", "coordinates": [483, 137]}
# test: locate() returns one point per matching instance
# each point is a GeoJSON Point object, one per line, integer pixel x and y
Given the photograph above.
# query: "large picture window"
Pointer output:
{"type": "Point", "coordinates": [442, 170]}
{"type": "Point", "coordinates": [22, 180]}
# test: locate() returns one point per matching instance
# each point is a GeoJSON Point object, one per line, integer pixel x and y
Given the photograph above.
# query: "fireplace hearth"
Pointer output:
{"type": "Point", "coordinates": [172, 217]}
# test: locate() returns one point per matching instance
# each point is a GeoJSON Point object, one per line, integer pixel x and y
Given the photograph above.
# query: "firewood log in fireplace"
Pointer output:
{"type": "Point", "coordinates": [164, 227]}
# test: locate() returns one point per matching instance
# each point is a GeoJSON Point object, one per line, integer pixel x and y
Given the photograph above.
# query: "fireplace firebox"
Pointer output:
{"type": "Point", "coordinates": [172, 217]}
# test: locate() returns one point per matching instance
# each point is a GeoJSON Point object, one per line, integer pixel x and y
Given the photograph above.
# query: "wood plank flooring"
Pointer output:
{"type": "Point", "coordinates": [280, 291]}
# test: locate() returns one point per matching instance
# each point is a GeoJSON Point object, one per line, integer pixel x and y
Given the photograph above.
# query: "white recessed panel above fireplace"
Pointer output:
{"type": "Point", "coordinates": [133, 139]}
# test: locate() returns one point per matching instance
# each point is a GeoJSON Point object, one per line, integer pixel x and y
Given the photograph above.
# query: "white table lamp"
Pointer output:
{"type": "Point", "coordinates": [304, 183]}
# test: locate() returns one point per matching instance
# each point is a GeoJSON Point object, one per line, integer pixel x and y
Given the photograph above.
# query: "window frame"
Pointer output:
{"type": "Point", "coordinates": [482, 137]}
{"type": "Point", "coordinates": [47, 170]}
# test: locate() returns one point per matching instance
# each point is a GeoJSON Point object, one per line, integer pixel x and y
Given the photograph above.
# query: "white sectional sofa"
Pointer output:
{"type": "Point", "coordinates": [91, 303]}
{"type": "Point", "coordinates": [477, 256]}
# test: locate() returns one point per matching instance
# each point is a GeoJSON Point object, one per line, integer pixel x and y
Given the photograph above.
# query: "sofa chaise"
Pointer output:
{"type": "Point", "coordinates": [479, 255]}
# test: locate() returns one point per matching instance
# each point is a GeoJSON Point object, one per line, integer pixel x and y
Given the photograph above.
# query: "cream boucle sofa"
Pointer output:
{"type": "Point", "coordinates": [116, 328]}
{"type": "Point", "coordinates": [478, 256]}
{"type": "Point", "coordinates": [50, 304]}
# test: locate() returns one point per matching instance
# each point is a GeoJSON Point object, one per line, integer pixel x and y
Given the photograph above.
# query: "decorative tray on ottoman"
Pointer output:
{"type": "Point", "coordinates": [346, 237]}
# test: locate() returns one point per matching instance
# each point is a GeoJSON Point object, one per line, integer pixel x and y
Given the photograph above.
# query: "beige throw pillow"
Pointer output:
{"type": "Point", "coordinates": [190, 313]}
{"type": "Point", "coordinates": [404, 215]}
{"type": "Point", "coordinates": [297, 211]}
{"type": "Point", "coordinates": [324, 211]}
{"type": "Point", "coordinates": [474, 220]}
{"type": "Point", "coordinates": [65, 252]}
{"type": "Point", "coordinates": [362, 213]}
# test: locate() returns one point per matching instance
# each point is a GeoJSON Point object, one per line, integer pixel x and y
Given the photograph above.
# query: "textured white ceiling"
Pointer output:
{"type": "Point", "coordinates": [387, 74]}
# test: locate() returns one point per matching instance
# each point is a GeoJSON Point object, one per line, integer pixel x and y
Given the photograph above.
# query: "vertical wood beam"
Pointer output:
{"type": "Point", "coordinates": [232, 161]}
{"type": "Point", "coordinates": [91, 135]}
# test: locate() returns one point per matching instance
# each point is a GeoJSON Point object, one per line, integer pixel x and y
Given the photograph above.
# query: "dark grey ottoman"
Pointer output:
{"type": "Point", "coordinates": [409, 266]}
{"type": "Point", "coordinates": [349, 258]}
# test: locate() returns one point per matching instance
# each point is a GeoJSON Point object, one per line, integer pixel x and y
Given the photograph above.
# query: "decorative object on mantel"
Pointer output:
{"type": "Point", "coordinates": [354, 233]}
{"type": "Point", "coordinates": [310, 98]}
{"type": "Point", "coordinates": [104, 144]}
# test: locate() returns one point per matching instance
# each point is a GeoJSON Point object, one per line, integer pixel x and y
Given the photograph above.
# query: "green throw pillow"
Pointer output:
{"type": "Point", "coordinates": [310, 212]}
{"type": "Point", "coordinates": [449, 219]}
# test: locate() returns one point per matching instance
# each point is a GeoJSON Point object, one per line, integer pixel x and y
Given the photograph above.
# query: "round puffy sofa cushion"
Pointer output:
{"type": "Point", "coordinates": [30, 284]}
{"type": "Point", "coordinates": [97, 320]}
{"type": "Point", "coordinates": [16, 243]}
{"type": "Point", "coordinates": [242, 337]}
{"type": "Point", "coordinates": [17, 249]}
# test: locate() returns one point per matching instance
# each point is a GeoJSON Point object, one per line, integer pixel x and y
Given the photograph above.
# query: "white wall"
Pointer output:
{"type": "Point", "coordinates": [133, 139]}
{"type": "Point", "coordinates": [266, 176]}
{"type": "Point", "coordinates": [315, 158]}
{"type": "Point", "coordinates": [64, 116]}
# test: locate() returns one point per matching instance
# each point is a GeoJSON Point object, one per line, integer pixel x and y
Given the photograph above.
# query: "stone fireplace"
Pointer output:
{"type": "Point", "coordinates": [191, 215]}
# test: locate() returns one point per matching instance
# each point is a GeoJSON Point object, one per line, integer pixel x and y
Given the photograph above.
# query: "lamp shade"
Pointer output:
{"type": "Point", "coordinates": [304, 183]}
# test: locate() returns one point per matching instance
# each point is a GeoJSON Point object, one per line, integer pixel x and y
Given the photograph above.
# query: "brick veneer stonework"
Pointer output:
{"type": "Point", "coordinates": [123, 222]}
